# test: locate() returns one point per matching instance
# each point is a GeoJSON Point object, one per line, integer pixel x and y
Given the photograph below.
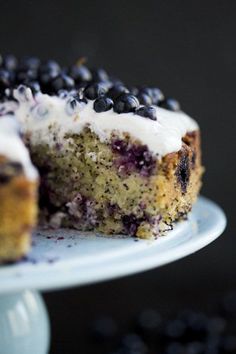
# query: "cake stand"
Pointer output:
{"type": "Point", "coordinates": [65, 258]}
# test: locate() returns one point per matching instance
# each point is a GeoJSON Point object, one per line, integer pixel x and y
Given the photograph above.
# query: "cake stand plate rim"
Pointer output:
{"type": "Point", "coordinates": [91, 259]}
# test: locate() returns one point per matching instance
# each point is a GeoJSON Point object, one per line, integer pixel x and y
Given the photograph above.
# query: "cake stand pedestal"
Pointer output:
{"type": "Point", "coordinates": [64, 258]}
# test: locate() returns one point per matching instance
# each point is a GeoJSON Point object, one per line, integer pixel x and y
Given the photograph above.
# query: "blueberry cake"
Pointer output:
{"type": "Point", "coordinates": [18, 192]}
{"type": "Point", "coordinates": [111, 158]}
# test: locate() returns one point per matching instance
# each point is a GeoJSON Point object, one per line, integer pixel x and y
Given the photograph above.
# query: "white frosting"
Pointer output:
{"type": "Point", "coordinates": [46, 116]}
{"type": "Point", "coordinates": [13, 148]}
{"type": "Point", "coordinates": [46, 119]}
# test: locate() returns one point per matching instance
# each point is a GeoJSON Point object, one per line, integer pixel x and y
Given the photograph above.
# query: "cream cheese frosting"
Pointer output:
{"type": "Point", "coordinates": [45, 116]}
{"type": "Point", "coordinates": [47, 119]}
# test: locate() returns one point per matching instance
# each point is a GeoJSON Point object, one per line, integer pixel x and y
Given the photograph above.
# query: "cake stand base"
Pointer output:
{"type": "Point", "coordinates": [24, 324]}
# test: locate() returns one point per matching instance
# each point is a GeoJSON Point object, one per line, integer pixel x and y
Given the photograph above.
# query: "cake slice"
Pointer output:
{"type": "Point", "coordinates": [18, 193]}
{"type": "Point", "coordinates": [111, 158]}
{"type": "Point", "coordinates": [126, 172]}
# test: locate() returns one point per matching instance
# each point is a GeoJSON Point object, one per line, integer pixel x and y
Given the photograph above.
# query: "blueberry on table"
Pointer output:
{"type": "Point", "coordinates": [103, 104]}
{"type": "Point", "coordinates": [126, 103]}
{"type": "Point", "coordinates": [133, 343]}
{"type": "Point", "coordinates": [171, 104]}
{"type": "Point", "coordinates": [147, 112]}
{"type": "Point", "coordinates": [94, 90]}
{"type": "Point", "coordinates": [148, 323]}
{"type": "Point", "coordinates": [104, 328]}
{"type": "Point", "coordinates": [175, 329]}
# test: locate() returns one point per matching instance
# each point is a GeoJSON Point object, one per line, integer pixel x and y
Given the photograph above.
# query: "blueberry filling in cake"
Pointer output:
{"type": "Point", "coordinates": [111, 158]}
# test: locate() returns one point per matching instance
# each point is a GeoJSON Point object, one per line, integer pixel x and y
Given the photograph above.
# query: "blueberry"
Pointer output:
{"type": "Point", "coordinates": [155, 94]}
{"type": "Point", "coordinates": [93, 91]}
{"type": "Point", "coordinates": [194, 348]}
{"type": "Point", "coordinates": [216, 325]}
{"type": "Point", "coordinates": [103, 104]}
{"type": "Point", "coordinates": [228, 344]}
{"type": "Point", "coordinates": [126, 103]}
{"type": "Point", "coordinates": [229, 304]}
{"type": "Point", "coordinates": [100, 75]}
{"type": "Point", "coordinates": [148, 323]}
{"type": "Point", "coordinates": [10, 62]}
{"type": "Point", "coordinates": [133, 90]}
{"type": "Point", "coordinates": [116, 91]}
{"type": "Point", "coordinates": [5, 79]}
{"type": "Point", "coordinates": [46, 77]}
{"type": "Point", "coordinates": [32, 63]}
{"type": "Point", "coordinates": [50, 66]}
{"type": "Point", "coordinates": [144, 99]}
{"type": "Point", "coordinates": [80, 73]}
{"type": "Point", "coordinates": [175, 348]}
{"type": "Point", "coordinates": [147, 112]}
{"type": "Point", "coordinates": [132, 343]}
{"type": "Point", "coordinates": [26, 75]}
{"type": "Point", "coordinates": [175, 329]}
{"type": "Point", "coordinates": [62, 81]}
{"type": "Point", "coordinates": [104, 328]}
{"type": "Point", "coordinates": [171, 104]}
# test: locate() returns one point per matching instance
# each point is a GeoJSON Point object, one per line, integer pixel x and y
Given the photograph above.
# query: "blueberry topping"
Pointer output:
{"type": "Point", "coordinates": [100, 75]}
{"type": "Point", "coordinates": [147, 112]}
{"type": "Point", "coordinates": [49, 77]}
{"type": "Point", "coordinates": [157, 96]}
{"type": "Point", "coordinates": [126, 103]}
{"type": "Point", "coordinates": [116, 91]}
{"type": "Point", "coordinates": [103, 104]}
{"type": "Point", "coordinates": [171, 104]}
{"type": "Point", "coordinates": [32, 63]}
{"type": "Point", "coordinates": [80, 73]}
{"type": "Point", "coordinates": [154, 93]}
{"type": "Point", "coordinates": [93, 91]}
{"type": "Point", "coordinates": [46, 77]}
{"type": "Point", "coordinates": [25, 75]}
{"type": "Point", "coordinates": [62, 81]}
{"type": "Point", "coordinates": [144, 99]}
{"type": "Point", "coordinates": [10, 62]}
{"type": "Point", "coordinates": [50, 66]}
{"type": "Point", "coordinates": [133, 90]}
{"type": "Point", "coordinates": [5, 79]}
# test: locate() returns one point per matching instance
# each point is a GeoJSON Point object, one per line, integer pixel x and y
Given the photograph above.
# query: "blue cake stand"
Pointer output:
{"type": "Point", "coordinates": [64, 258]}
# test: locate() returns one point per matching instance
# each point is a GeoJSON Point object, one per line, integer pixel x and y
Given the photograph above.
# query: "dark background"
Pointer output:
{"type": "Point", "coordinates": [187, 48]}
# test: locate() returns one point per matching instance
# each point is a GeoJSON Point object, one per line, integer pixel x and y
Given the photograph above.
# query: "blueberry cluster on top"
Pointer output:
{"type": "Point", "coordinates": [83, 84]}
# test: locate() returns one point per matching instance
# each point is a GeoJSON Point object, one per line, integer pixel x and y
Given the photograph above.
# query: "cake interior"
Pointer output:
{"type": "Point", "coordinates": [118, 187]}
